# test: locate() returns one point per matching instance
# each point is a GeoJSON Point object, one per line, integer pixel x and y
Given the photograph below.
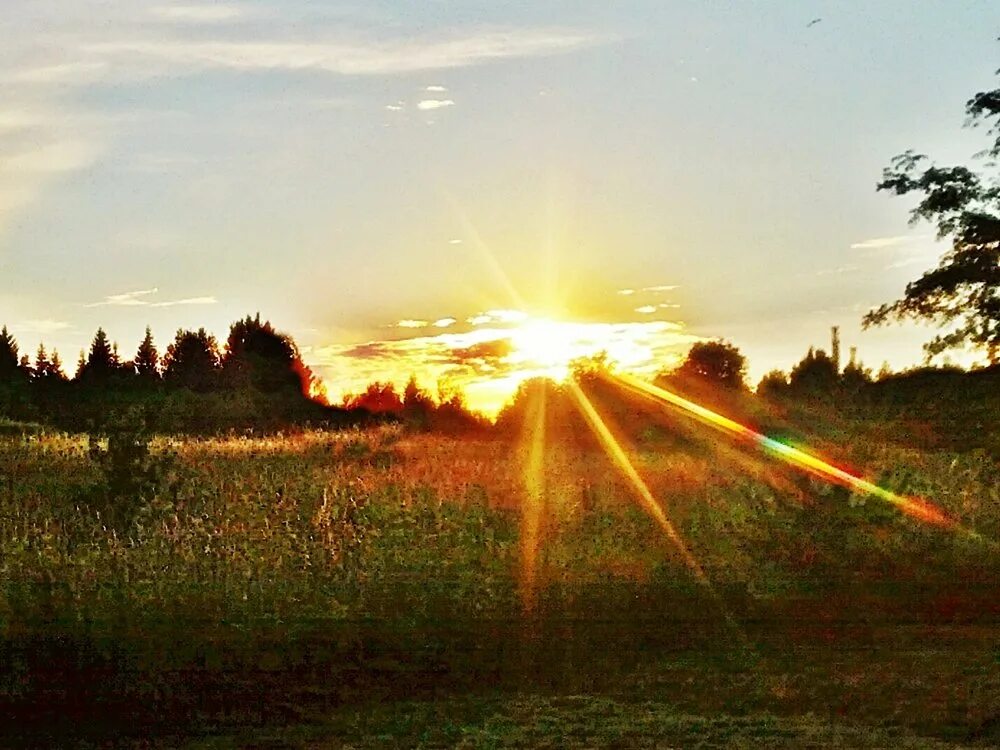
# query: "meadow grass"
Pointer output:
{"type": "Point", "coordinates": [365, 586]}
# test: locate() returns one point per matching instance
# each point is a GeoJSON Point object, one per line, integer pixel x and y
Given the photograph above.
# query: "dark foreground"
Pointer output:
{"type": "Point", "coordinates": [915, 669]}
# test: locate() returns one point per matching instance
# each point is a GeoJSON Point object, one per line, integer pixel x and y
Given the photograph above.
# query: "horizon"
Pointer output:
{"type": "Point", "coordinates": [380, 182]}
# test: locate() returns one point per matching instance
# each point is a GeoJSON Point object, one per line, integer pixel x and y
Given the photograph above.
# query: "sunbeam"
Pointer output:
{"type": "Point", "coordinates": [917, 508]}
{"type": "Point", "coordinates": [534, 499]}
{"type": "Point", "coordinates": [620, 459]}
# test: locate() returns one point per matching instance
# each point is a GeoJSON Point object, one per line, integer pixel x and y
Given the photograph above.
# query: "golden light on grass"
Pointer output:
{"type": "Point", "coordinates": [533, 506]}
{"type": "Point", "coordinates": [648, 503]}
{"type": "Point", "coordinates": [918, 508]}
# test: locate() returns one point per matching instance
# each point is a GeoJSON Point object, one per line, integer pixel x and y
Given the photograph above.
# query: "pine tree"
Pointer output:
{"type": "Point", "coordinates": [81, 366]}
{"type": "Point", "coordinates": [101, 361]}
{"type": "Point", "coordinates": [8, 355]}
{"type": "Point", "coordinates": [147, 359]}
{"type": "Point", "coordinates": [56, 366]}
{"type": "Point", "coordinates": [42, 364]}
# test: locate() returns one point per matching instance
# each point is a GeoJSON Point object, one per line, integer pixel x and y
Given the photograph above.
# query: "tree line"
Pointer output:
{"type": "Point", "coordinates": [256, 379]}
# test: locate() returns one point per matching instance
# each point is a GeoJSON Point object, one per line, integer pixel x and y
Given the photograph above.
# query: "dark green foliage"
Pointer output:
{"type": "Point", "coordinates": [258, 356]}
{"type": "Point", "coordinates": [130, 473]}
{"type": "Point", "coordinates": [773, 385]}
{"type": "Point", "coordinates": [964, 290]}
{"type": "Point", "coordinates": [192, 361]}
{"type": "Point", "coordinates": [717, 363]}
{"type": "Point", "coordinates": [816, 374]}
{"type": "Point", "coordinates": [147, 359]}
{"type": "Point", "coordinates": [9, 364]}
{"type": "Point", "coordinates": [101, 362]}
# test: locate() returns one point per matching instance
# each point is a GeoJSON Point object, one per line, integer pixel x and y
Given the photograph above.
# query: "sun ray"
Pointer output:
{"type": "Point", "coordinates": [533, 505]}
{"type": "Point", "coordinates": [621, 460]}
{"type": "Point", "coordinates": [917, 508]}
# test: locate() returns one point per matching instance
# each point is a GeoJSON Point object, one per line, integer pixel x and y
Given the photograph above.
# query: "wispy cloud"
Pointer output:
{"type": "Point", "coordinates": [395, 107]}
{"type": "Point", "coordinates": [187, 301]}
{"type": "Point", "coordinates": [44, 327]}
{"type": "Point", "coordinates": [878, 243]}
{"type": "Point", "coordinates": [426, 104]}
{"type": "Point", "coordinates": [198, 14]}
{"type": "Point", "coordinates": [139, 299]}
{"type": "Point", "coordinates": [435, 89]}
{"type": "Point", "coordinates": [646, 309]}
{"type": "Point", "coordinates": [444, 322]}
{"type": "Point", "coordinates": [660, 288]}
{"type": "Point", "coordinates": [339, 54]}
{"type": "Point", "coordinates": [412, 323]}
{"type": "Point", "coordinates": [125, 298]}
{"type": "Point", "coordinates": [497, 316]}
{"type": "Point", "coordinates": [848, 268]}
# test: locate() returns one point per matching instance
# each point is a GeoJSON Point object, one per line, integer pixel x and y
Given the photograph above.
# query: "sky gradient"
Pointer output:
{"type": "Point", "coordinates": [345, 167]}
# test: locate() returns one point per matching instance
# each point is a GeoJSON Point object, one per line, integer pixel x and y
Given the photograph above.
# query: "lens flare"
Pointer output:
{"type": "Point", "coordinates": [620, 459]}
{"type": "Point", "coordinates": [534, 499]}
{"type": "Point", "coordinates": [914, 507]}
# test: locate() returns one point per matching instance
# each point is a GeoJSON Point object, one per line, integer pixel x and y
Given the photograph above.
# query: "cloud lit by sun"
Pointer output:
{"type": "Point", "coordinates": [495, 351]}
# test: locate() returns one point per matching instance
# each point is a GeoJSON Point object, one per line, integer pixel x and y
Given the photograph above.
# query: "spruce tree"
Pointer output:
{"type": "Point", "coordinates": [8, 356]}
{"type": "Point", "coordinates": [147, 359]}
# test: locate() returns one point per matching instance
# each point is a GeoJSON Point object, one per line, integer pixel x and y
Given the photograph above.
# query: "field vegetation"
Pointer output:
{"type": "Point", "coordinates": [368, 586]}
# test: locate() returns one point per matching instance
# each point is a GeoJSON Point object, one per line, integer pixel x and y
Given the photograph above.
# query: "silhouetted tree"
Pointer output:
{"type": "Point", "coordinates": [147, 359]}
{"type": "Point", "coordinates": [815, 374]}
{"type": "Point", "coordinates": [964, 289]}
{"type": "Point", "coordinates": [715, 363]}
{"type": "Point", "coordinates": [45, 368]}
{"type": "Point", "coordinates": [101, 362]}
{"type": "Point", "coordinates": [192, 361]}
{"type": "Point", "coordinates": [10, 368]}
{"type": "Point", "coordinates": [418, 406]}
{"type": "Point", "coordinates": [773, 385]}
{"type": "Point", "coordinates": [378, 398]}
{"type": "Point", "coordinates": [855, 376]}
{"type": "Point", "coordinates": [258, 356]}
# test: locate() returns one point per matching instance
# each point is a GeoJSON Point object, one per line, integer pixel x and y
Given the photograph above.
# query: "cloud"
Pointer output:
{"type": "Point", "coordinates": [849, 268]}
{"type": "Point", "coordinates": [435, 89]}
{"type": "Point", "coordinates": [877, 243]}
{"type": "Point", "coordinates": [646, 309]}
{"type": "Point", "coordinates": [39, 146]}
{"type": "Point", "coordinates": [426, 104]}
{"type": "Point", "coordinates": [497, 316]}
{"type": "Point", "coordinates": [138, 298]}
{"type": "Point", "coordinates": [488, 363]}
{"type": "Point", "coordinates": [660, 288]}
{"type": "Point", "coordinates": [198, 14]}
{"type": "Point", "coordinates": [125, 298]}
{"type": "Point", "coordinates": [411, 323]}
{"type": "Point", "coordinates": [187, 301]}
{"type": "Point", "coordinates": [454, 242]}
{"type": "Point", "coordinates": [41, 326]}
{"type": "Point", "coordinates": [156, 55]}
{"type": "Point", "coordinates": [444, 322]}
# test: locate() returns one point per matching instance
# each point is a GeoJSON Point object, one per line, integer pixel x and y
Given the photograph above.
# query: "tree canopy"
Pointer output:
{"type": "Point", "coordinates": [715, 363]}
{"type": "Point", "coordinates": [963, 291]}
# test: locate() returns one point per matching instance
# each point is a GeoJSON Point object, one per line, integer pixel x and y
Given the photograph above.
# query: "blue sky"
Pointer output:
{"type": "Point", "coordinates": [344, 166]}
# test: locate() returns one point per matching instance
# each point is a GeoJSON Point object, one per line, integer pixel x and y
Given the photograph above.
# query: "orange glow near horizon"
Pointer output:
{"type": "Point", "coordinates": [490, 354]}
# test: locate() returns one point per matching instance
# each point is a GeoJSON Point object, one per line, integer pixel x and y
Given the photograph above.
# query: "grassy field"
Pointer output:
{"type": "Point", "coordinates": [386, 588]}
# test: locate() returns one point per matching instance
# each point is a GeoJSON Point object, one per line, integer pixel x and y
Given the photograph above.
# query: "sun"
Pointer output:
{"type": "Point", "coordinates": [544, 345]}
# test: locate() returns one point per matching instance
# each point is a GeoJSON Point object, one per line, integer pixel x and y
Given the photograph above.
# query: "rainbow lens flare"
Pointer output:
{"type": "Point", "coordinates": [914, 507]}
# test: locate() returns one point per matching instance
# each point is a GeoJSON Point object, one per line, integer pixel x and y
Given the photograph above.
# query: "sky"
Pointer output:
{"type": "Point", "coordinates": [474, 191]}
